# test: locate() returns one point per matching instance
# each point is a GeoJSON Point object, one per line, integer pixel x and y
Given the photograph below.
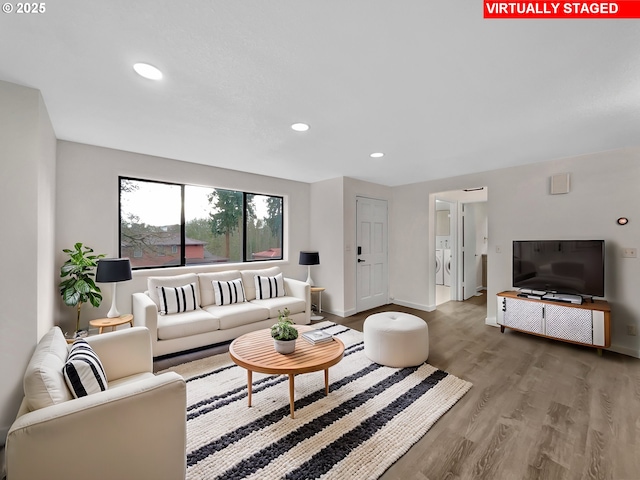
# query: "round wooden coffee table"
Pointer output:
{"type": "Point", "coordinates": [255, 352]}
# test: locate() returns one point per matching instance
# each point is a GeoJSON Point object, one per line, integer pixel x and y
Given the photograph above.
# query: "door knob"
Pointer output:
{"type": "Point", "coordinates": [360, 260]}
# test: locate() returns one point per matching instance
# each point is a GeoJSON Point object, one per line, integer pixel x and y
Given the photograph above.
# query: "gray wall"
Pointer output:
{"type": "Point", "coordinates": [27, 198]}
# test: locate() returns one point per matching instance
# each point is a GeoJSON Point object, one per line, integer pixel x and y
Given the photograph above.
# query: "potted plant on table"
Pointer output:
{"type": "Point", "coordinates": [284, 333]}
{"type": "Point", "coordinates": [80, 287]}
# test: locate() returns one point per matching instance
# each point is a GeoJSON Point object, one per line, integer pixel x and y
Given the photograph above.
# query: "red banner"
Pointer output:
{"type": "Point", "coordinates": [619, 9]}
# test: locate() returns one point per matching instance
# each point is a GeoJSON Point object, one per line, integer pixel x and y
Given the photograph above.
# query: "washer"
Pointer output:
{"type": "Point", "coordinates": [439, 269]}
{"type": "Point", "coordinates": [446, 261]}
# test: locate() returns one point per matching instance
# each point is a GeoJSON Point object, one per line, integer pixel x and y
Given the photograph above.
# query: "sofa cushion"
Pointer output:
{"type": "Point", "coordinates": [278, 304]}
{"type": "Point", "coordinates": [83, 371]}
{"type": "Point", "coordinates": [207, 294]}
{"type": "Point", "coordinates": [269, 287]}
{"type": "Point", "coordinates": [249, 282]}
{"type": "Point", "coordinates": [43, 381]}
{"type": "Point", "coordinates": [184, 324]}
{"type": "Point", "coordinates": [238, 314]}
{"type": "Point", "coordinates": [172, 281]}
{"type": "Point", "coordinates": [229, 292]}
{"type": "Point", "coordinates": [177, 299]}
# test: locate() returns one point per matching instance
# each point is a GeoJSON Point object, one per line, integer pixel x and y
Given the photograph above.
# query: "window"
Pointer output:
{"type": "Point", "coordinates": [164, 224]}
{"type": "Point", "coordinates": [263, 228]}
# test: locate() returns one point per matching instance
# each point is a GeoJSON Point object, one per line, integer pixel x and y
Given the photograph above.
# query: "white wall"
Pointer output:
{"type": "Point", "coordinates": [87, 211]}
{"type": "Point", "coordinates": [27, 286]}
{"type": "Point", "coordinates": [326, 236]}
{"type": "Point", "coordinates": [482, 237]}
{"type": "Point", "coordinates": [333, 234]}
{"type": "Point", "coordinates": [604, 187]}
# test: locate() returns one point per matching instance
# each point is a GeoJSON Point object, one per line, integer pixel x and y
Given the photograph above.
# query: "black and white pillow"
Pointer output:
{"type": "Point", "coordinates": [229, 292]}
{"type": "Point", "coordinates": [177, 299]}
{"type": "Point", "coordinates": [83, 370]}
{"type": "Point", "coordinates": [269, 287]}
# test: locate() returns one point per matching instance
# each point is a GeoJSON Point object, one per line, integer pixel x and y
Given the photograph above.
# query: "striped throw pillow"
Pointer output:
{"type": "Point", "coordinates": [83, 371]}
{"type": "Point", "coordinates": [229, 292]}
{"type": "Point", "coordinates": [177, 299]}
{"type": "Point", "coordinates": [269, 287]}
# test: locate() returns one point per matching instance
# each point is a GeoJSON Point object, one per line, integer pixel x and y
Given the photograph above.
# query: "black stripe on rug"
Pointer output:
{"type": "Point", "coordinates": [325, 459]}
{"type": "Point", "coordinates": [275, 416]}
{"type": "Point", "coordinates": [208, 374]}
{"type": "Point", "coordinates": [264, 457]}
{"type": "Point", "coordinates": [233, 395]}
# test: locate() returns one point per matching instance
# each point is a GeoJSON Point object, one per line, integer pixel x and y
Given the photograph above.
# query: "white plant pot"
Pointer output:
{"type": "Point", "coordinates": [284, 346]}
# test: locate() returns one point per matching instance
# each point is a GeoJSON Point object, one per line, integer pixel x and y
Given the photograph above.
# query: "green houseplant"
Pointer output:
{"type": "Point", "coordinates": [284, 333]}
{"type": "Point", "coordinates": [79, 286]}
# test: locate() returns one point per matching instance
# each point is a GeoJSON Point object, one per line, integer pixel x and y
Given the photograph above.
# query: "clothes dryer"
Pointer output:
{"type": "Point", "coordinates": [439, 267]}
{"type": "Point", "coordinates": [446, 262]}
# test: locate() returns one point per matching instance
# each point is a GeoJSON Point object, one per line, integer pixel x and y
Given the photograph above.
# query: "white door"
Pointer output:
{"type": "Point", "coordinates": [371, 253]}
{"type": "Point", "coordinates": [468, 251]}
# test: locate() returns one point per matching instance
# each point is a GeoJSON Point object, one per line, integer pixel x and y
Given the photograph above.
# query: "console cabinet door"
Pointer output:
{"type": "Point", "coordinates": [574, 324]}
{"type": "Point", "coordinates": [523, 315]}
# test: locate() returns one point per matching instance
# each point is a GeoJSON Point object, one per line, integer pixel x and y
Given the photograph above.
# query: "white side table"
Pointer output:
{"type": "Point", "coordinates": [319, 291]}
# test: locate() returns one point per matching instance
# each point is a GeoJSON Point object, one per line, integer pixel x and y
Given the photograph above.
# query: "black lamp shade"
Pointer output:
{"type": "Point", "coordinates": [309, 258]}
{"type": "Point", "coordinates": [113, 270]}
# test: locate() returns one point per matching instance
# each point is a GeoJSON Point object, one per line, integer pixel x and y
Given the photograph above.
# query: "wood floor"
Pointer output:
{"type": "Point", "coordinates": [538, 409]}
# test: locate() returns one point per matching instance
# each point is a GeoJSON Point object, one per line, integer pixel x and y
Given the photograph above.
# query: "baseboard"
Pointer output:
{"type": "Point", "coordinates": [631, 352]}
{"type": "Point", "coordinates": [340, 313]}
{"type": "Point", "coordinates": [491, 321]}
{"type": "Point", "coordinates": [417, 306]}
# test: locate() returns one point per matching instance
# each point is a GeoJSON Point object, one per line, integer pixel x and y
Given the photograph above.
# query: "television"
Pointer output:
{"type": "Point", "coordinates": [560, 266]}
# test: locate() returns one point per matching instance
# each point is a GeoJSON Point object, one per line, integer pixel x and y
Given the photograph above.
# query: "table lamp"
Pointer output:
{"type": "Point", "coordinates": [308, 259]}
{"type": "Point", "coordinates": [113, 270]}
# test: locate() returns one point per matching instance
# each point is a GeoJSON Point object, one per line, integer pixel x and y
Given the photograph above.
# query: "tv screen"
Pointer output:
{"type": "Point", "coordinates": [561, 266]}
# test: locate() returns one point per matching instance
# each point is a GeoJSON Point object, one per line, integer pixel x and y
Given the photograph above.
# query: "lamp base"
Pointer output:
{"type": "Point", "coordinates": [113, 311]}
{"type": "Point", "coordinates": [309, 280]}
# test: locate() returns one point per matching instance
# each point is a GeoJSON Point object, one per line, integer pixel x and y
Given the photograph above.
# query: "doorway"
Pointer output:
{"type": "Point", "coordinates": [371, 252]}
{"type": "Point", "coordinates": [458, 245]}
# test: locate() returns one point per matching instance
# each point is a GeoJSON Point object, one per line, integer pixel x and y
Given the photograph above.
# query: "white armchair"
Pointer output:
{"type": "Point", "coordinates": [136, 429]}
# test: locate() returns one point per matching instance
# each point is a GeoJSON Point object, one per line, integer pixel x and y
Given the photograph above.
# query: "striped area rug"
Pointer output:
{"type": "Point", "coordinates": [371, 417]}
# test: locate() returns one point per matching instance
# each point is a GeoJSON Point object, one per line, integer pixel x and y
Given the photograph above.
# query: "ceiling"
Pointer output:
{"type": "Point", "coordinates": [431, 84]}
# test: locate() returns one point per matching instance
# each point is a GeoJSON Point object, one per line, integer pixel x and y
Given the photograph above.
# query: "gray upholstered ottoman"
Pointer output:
{"type": "Point", "coordinates": [396, 339]}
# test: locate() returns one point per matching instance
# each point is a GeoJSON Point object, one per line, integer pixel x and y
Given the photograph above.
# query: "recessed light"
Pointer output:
{"type": "Point", "coordinates": [300, 127]}
{"type": "Point", "coordinates": [147, 71]}
{"type": "Point", "coordinates": [377, 155]}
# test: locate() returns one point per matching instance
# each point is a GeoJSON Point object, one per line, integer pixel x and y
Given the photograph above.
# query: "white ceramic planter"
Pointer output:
{"type": "Point", "coordinates": [284, 346]}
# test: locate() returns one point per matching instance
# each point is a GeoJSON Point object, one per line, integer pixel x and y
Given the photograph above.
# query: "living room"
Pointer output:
{"type": "Point", "coordinates": [56, 192]}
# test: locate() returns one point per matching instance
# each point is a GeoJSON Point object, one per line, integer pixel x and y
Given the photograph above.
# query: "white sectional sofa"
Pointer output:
{"type": "Point", "coordinates": [210, 323]}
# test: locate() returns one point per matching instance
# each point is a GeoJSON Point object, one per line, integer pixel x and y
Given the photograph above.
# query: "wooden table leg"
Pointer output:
{"type": "Point", "coordinates": [326, 381]}
{"type": "Point", "coordinates": [249, 385]}
{"type": "Point", "coordinates": [291, 393]}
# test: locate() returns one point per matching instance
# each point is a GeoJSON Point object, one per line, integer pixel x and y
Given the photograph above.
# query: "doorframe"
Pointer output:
{"type": "Point", "coordinates": [456, 224]}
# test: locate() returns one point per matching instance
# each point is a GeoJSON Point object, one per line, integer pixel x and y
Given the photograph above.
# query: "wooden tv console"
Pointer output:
{"type": "Point", "coordinates": [586, 324]}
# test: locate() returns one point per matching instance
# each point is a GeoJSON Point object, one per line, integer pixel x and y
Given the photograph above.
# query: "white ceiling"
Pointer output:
{"type": "Point", "coordinates": [438, 89]}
